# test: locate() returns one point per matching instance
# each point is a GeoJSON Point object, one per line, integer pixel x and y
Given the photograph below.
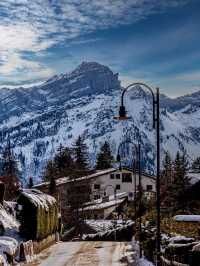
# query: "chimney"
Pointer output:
{"type": "Point", "coordinates": [2, 192]}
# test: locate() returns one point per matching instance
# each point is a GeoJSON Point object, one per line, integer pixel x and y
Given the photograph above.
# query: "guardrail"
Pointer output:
{"type": "Point", "coordinates": [166, 262]}
{"type": "Point", "coordinates": [26, 251]}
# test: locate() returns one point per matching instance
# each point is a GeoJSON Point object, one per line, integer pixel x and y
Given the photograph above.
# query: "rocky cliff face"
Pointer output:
{"type": "Point", "coordinates": [84, 102]}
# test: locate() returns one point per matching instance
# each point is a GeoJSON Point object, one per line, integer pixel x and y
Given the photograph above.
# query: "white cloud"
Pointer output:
{"type": "Point", "coordinates": [30, 70]}
{"type": "Point", "coordinates": [34, 26]}
{"type": "Point", "coordinates": [189, 76]}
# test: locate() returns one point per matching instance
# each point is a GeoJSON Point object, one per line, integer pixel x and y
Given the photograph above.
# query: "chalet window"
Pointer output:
{"type": "Point", "coordinates": [126, 177]}
{"type": "Point", "coordinates": [96, 186]}
{"type": "Point", "coordinates": [117, 176]}
{"type": "Point", "coordinates": [149, 187]}
{"type": "Point", "coordinates": [118, 187]}
{"type": "Point", "coordinates": [112, 176]}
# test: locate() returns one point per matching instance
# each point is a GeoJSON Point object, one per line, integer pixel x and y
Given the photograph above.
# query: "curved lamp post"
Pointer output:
{"type": "Point", "coordinates": [138, 163]}
{"type": "Point", "coordinates": [156, 126]}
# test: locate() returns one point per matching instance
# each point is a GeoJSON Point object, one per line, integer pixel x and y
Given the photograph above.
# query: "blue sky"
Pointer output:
{"type": "Point", "coordinates": [155, 41]}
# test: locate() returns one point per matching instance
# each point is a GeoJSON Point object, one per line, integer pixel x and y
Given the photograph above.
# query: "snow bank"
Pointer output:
{"type": "Point", "coordinates": [7, 220]}
{"type": "Point", "coordinates": [181, 239]}
{"type": "Point", "coordinates": [187, 218]}
{"type": "Point", "coordinates": [145, 262]}
{"type": "Point", "coordinates": [8, 245]}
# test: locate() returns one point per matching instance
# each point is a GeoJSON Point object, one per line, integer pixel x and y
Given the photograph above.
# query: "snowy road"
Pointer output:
{"type": "Point", "coordinates": [83, 254]}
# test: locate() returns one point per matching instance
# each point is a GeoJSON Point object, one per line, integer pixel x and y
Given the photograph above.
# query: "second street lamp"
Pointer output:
{"type": "Point", "coordinates": [137, 149]}
{"type": "Point", "coordinates": [156, 126]}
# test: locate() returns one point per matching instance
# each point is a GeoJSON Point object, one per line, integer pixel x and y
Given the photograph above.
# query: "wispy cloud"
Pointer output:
{"type": "Point", "coordinates": [189, 76]}
{"type": "Point", "coordinates": [35, 26]}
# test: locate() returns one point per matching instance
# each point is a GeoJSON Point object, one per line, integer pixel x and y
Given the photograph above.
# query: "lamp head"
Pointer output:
{"type": "Point", "coordinates": [122, 113]}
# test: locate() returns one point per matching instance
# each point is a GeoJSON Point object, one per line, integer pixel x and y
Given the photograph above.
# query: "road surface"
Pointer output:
{"type": "Point", "coordinates": [83, 254]}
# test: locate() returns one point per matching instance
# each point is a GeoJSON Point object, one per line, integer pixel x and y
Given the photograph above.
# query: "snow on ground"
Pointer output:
{"type": "Point", "coordinates": [7, 221]}
{"type": "Point", "coordinates": [103, 226]}
{"type": "Point", "coordinates": [83, 253]}
{"type": "Point", "coordinates": [145, 262]}
{"type": "Point", "coordinates": [7, 245]}
{"type": "Point", "coordinates": [187, 218]}
{"type": "Point", "coordinates": [133, 256]}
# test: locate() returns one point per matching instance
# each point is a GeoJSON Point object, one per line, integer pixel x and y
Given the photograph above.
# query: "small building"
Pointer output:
{"type": "Point", "coordinates": [38, 214]}
{"type": "Point", "coordinates": [107, 182]}
{"type": "Point", "coordinates": [102, 183]}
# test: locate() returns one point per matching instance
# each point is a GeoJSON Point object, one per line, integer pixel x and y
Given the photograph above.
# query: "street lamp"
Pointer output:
{"type": "Point", "coordinates": [156, 126]}
{"type": "Point", "coordinates": [138, 163]}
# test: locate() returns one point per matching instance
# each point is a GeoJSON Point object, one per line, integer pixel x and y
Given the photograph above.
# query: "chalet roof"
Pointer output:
{"type": "Point", "coordinates": [67, 179]}
{"type": "Point", "coordinates": [100, 204]}
{"type": "Point", "coordinates": [64, 180]}
{"type": "Point", "coordinates": [38, 198]}
{"type": "Point", "coordinates": [194, 177]}
{"type": "Point", "coordinates": [104, 205]}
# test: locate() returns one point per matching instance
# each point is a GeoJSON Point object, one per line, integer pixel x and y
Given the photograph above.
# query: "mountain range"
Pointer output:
{"type": "Point", "coordinates": [37, 120]}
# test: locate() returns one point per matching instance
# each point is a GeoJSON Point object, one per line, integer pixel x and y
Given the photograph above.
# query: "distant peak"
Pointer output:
{"type": "Point", "coordinates": [90, 66]}
{"type": "Point", "coordinates": [139, 92]}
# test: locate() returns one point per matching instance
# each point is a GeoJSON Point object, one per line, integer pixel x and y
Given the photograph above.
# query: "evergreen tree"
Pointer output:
{"type": "Point", "coordinates": [30, 184]}
{"type": "Point", "coordinates": [61, 165]}
{"type": "Point", "coordinates": [177, 198]}
{"type": "Point", "coordinates": [167, 172]}
{"type": "Point", "coordinates": [52, 186]}
{"type": "Point", "coordinates": [10, 172]}
{"type": "Point", "coordinates": [166, 177]}
{"type": "Point", "coordinates": [63, 162]}
{"type": "Point", "coordinates": [50, 171]}
{"type": "Point", "coordinates": [196, 165]}
{"type": "Point", "coordinates": [80, 157]}
{"type": "Point", "coordinates": [104, 157]}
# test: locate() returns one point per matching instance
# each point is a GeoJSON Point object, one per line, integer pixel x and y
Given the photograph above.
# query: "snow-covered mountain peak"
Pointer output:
{"type": "Point", "coordinates": [138, 92]}
{"type": "Point", "coordinates": [86, 67]}
{"type": "Point", "coordinates": [84, 102]}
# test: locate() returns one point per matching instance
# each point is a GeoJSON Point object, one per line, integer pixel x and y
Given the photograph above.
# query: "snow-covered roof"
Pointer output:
{"type": "Point", "coordinates": [67, 179]}
{"type": "Point", "coordinates": [64, 180]}
{"type": "Point", "coordinates": [120, 195]}
{"type": "Point", "coordinates": [38, 198]}
{"type": "Point", "coordinates": [104, 205]}
{"type": "Point", "coordinates": [194, 177]}
{"type": "Point", "coordinates": [187, 218]}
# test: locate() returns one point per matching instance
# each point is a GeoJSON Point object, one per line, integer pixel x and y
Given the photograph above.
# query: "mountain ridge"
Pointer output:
{"type": "Point", "coordinates": [38, 119]}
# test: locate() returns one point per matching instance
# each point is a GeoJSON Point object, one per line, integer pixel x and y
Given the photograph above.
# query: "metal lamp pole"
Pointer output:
{"type": "Point", "coordinates": [156, 126]}
{"type": "Point", "coordinates": [138, 163]}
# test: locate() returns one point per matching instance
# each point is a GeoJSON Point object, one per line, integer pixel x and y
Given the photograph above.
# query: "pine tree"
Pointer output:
{"type": "Point", "coordinates": [166, 178]}
{"type": "Point", "coordinates": [63, 162]}
{"type": "Point", "coordinates": [10, 172]}
{"type": "Point", "coordinates": [81, 166]}
{"type": "Point", "coordinates": [30, 184]}
{"type": "Point", "coordinates": [167, 172]}
{"type": "Point", "coordinates": [104, 157]}
{"type": "Point", "coordinates": [181, 183]}
{"type": "Point", "coordinates": [50, 171]}
{"type": "Point", "coordinates": [196, 165]}
{"type": "Point", "coordinates": [52, 186]}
